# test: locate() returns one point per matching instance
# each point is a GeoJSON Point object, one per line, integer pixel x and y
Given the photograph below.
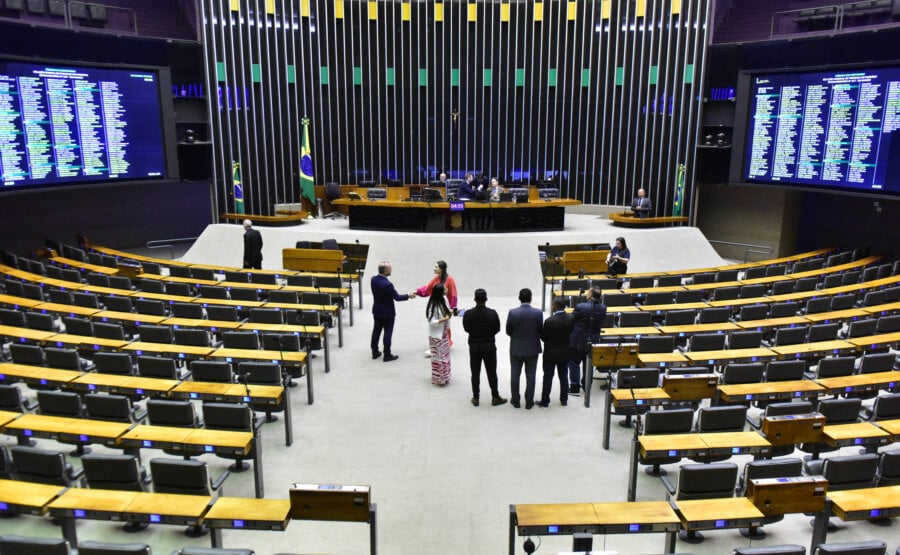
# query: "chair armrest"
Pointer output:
{"type": "Point", "coordinates": [755, 424]}
{"type": "Point", "coordinates": [75, 473]}
{"type": "Point", "coordinates": [28, 405]}
{"type": "Point", "coordinates": [184, 374]}
{"type": "Point", "coordinates": [670, 487]}
{"type": "Point", "coordinates": [217, 483]}
{"type": "Point", "coordinates": [138, 414]}
{"type": "Point", "coordinates": [258, 422]}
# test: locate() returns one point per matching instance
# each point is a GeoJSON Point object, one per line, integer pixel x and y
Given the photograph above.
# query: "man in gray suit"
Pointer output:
{"type": "Point", "coordinates": [523, 326]}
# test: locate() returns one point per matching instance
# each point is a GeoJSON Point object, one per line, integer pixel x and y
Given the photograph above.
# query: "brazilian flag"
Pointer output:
{"type": "Point", "coordinates": [679, 191]}
{"type": "Point", "coordinates": [307, 181]}
{"type": "Point", "coordinates": [238, 187]}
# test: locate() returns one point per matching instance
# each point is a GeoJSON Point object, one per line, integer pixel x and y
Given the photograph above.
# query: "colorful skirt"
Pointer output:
{"type": "Point", "coordinates": [440, 358]}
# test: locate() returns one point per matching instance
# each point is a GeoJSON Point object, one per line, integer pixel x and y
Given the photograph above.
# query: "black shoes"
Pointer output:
{"type": "Point", "coordinates": [388, 358]}
{"type": "Point", "coordinates": [515, 404]}
{"type": "Point", "coordinates": [575, 393]}
{"type": "Point", "coordinates": [528, 406]}
{"type": "Point", "coordinates": [498, 401]}
{"type": "Point", "coordinates": [544, 405]}
{"type": "Point", "coordinates": [376, 354]}
{"type": "Point", "coordinates": [475, 401]}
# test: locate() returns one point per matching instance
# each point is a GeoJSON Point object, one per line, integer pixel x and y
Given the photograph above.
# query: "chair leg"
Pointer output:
{"type": "Point", "coordinates": [655, 470]}
{"type": "Point", "coordinates": [80, 450]}
{"type": "Point", "coordinates": [197, 531]}
{"type": "Point", "coordinates": [690, 536]}
{"type": "Point", "coordinates": [239, 466]}
{"type": "Point", "coordinates": [753, 533]}
{"type": "Point", "coordinates": [271, 417]}
{"type": "Point", "coordinates": [132, 527]}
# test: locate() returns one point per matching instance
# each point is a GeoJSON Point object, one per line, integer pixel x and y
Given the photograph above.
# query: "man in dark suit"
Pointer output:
{"type": "Point", "coordinates": [641, 205]}
{"type": "Point", "coordinates": [383, 311]}
{"type": "Point", "coordinates": [468, 188]}
{"type": "Point", "coordinates": [253, 245]}
{"type": "Point", "coordinates": [483, 324]}
{"type": "Point", "coordinates": [555, 335]}
{"type": "Point", "coordinates": [523, 326]}
{"type": "Point", "coordinates": [588, 318]}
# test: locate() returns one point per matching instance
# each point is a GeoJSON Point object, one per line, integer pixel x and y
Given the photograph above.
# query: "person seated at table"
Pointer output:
{"type": "Point", "coordinates": [468, 188]}
{"type": "Point", "coordinates": [618, 258]}
{"type": "Point", "coordinates": [495, 189]}
{"type": "Point", "coordinates": [641, 204]}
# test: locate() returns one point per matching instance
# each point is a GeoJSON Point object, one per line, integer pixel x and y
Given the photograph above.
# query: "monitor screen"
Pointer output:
{"type": "Point", "coordinates": [837, 129]}
{"type": "Point", "coordinates": [71, 124]}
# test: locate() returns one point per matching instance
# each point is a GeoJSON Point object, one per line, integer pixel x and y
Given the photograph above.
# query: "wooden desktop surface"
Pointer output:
{"type": "Point", "coordinates": [30, 373]}
{"type": "Point", "coordinates": [34, 496]}
{"type": "Point", "coordinates": [79, 340]}
{"type": "Point", "coordinates": [26, 333]}
{"type": "Point", "coordinates": [891, 426]}
{"type": "Point", "coordinates": [12, 300]}
{"type": "Point", "coordinates": [653, 359]}
{"type": "Point", "coordinates": [259, 354]}
{"type": "Point", "coordinates": [7, 416]}
{"type": "Point", "coordinates": [226, 302]}
{"type": "Point", "coordinates": [96, 429]}
{"type": "Point", "coordinates": [749, 391]}
{"type": "Point", "coordinates": [673, 306]}
{"type": "Point", "coordinates": [97, 501]}
{"type": "Point", "coordinates": [57, 308]}
{"type": "Point", "coordinates": [225, 510]}
{"type": "Point", "coordinates": [629, 331]}
{"type": "Point", "coordinates": [861, 501]}
{"type": "Point", "coordinates": [882, 308]}
{"type": "Point", "coordinates": [883, 339]}
{"type": "Point", "coordinates": [698, 328]}
{"type": "Point", "coordinates": [660, 445]}
{"type": "Point", "coordinates": [169, 504]}
{"type": "Point", "coordinates": [168, 348]}
{"type": "Point", "coordinates": [834, 346]}
{"type": "Point", "coordinates": [696, 514]}
{"type": "Point", "coordinates": [837, 315]}
{"type": "Point", "coordinates": [772, 322]}
{"type": "Point", "coordinates": [752, 354]}
{"type": "Point", "coordinates": [847, 434]}
{"type": "Point", "coordinates": [587, 514]}
{"type": "Point", "coordinates": [128, 317]}
{"type": "Point", "coordinates": [647, 396]}
{"type": "Point", "coordinates": [876, 379]}
{"type": "Point", "coordinates": [201, 323]}
{"type": "Point", "coordinates": [258, 393]}
{"type": "Point", "coordinates": [729, 440]}
{"type": "Point", "coordinates": [167, 297]}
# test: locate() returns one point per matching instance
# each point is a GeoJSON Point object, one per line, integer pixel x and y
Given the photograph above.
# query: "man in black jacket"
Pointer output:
{"type": "Point", "coordinates": [555, 335]}
{"type": "Point", "coordinates": [588, 317]}
{"type": "Point", "coordinates": [253, 245]}
{"type": "Point", "coordinates": [482, 324]}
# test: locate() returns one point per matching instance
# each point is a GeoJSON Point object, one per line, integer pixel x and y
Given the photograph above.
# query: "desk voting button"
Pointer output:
{"type": "Point", "coordinates": [330, 502]}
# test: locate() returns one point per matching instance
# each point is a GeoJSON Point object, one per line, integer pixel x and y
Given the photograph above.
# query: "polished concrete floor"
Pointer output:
{"type": "Point", "coordinates": [443, 473]}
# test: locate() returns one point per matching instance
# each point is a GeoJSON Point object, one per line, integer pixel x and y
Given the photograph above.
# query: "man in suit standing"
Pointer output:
{"type": "Point", "coordinates": [588, 318]}
{"type": "Point", "coordinates": [253, 245]}
{"type": "Point", "coordinates": [483, 324]}
{"type": "Point", "coordinates": [555, 335]}
{"type": "Point", "coordinates": [523, 326]}
{"type": "Point", "coordinates": [383, 311]}
{"type": "Point", "coordinates": [641, 205]}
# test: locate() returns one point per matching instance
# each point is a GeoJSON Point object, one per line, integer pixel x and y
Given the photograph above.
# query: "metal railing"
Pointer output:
{"type": "Point", "coordinates": [167, 244]}
{"type": "Point", "coordinates": [832, 16]}
{"type": "Point", "coordinates": [101, 13]}
{"type": "Point", "coordinates": [764, 250]}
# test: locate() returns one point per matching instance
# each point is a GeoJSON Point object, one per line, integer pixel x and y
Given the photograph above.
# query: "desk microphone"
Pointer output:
{"type": "Point", "coordinates": [288, 382]}
{"type": "Point", "coordinates": [243, 378]}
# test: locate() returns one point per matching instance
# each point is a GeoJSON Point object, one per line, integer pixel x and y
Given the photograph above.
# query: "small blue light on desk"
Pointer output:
{"type": "Point", "coordinates": [229, 359]}
{"type": "Point", "coordinates": [237, 523]}
{"type": "Point", "coordinates": [634, 527]}
{"type": "Point", "coordinates": [754, 359]}
{"type": "Point", "coordinates": [639, 402]}
{"type": "Point", "coordinates": [43, 382]}
{"type": "Point", "coordinates": [711, 361]}
{"type": "Point", "coordinates": [180, 355]}
{"type": "Point", "coordinates": [875, 513]}
{"type": "Point", "coordinates": [553, 529]}
{"type": "Point", "coordinates": [139, 391]}
{"type": "Point", "coordinates": [246, 399]}
{"type": "Point", "coordinates": [21, 340]}
{"type": "Point", "coordinates": [104, 319]}
{"type": "Point", "coordinates": [59, 343]}
{"type": "Point", "coordinates": [720, 524]}
{"type": "Point", "coordinates": [27, 433]}
{"type": "Point", "coordinates": [139, 353]}
{"type": "Point", "coordinates": [681, 334]}
{"type": "Point", "coordinates": [748, 396]}
{"type": "Point", "coordinates": [147, 443]}
{"type": "Point", "coordinates": [673, 452]}
{"type": "Point", "coordinates": [848, 389]}
{"type": "Point", "coordinates": [155, 518]}
{"type": "Point", "coordinates": [275, 361]}
{"type": "Point", "coordinates": [857, 441]}
{"type": "Point", "coordinates": [735, 450]}
{"type": "Point", "coordinates": [193, 396]}
{"type": "Point", "coordinates": [4, 507]}
{"type": "Point", "coordinates": [80, 513]}
{"type": "Point", "coordinates": [82, 437]}
{"type": "Point", "coordinates": [2, 377]}
{"type": "Point", "coordinates": [208, 448]}
{"type": "Point", "coordinates": [798, 394]}
{"type": "Point", "coordinates": [891, 385]}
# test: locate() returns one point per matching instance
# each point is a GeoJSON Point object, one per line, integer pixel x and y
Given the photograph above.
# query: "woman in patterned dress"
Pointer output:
{"type": "Point", "coordinates": [438, 314]}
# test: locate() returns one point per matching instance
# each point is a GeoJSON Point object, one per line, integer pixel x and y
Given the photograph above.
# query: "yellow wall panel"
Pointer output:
{"type": "Point", "coordinates": [504, 13]}
{"type": "Point", "coordinates": [676, 6]}
{"type": "Point", "coordinates": [571, 11]}
{"type": "Point", "coordinates": [605, 8]}
{"type": "Point", "coordinates": [339, 9]}
{"type": "Point", "coordinates": [538, 11]}
{"type": "Point", "coordinates": [235, 5]}
{"type": "Point", "coordinates": [304, 8]}
{"type": "Point", "coordinates": [472, 10]}
{"type": "Point", "coordinates": [439, 11]}
{"type": "Point", "coordinates": [406, 11]}
{"type": "Point", "coordinates": [373, 10]}
{"type": "Point", "coordinates": [640, 8]}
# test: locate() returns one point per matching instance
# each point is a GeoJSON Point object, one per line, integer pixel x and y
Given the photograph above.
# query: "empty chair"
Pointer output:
{"type": "Point", "coordinates": [779, 468]}
{"type": "Point", "coordinates": [268, 279]}
{"type": "Point", "coordinates": [656, 344]}
{"type": "Point", "coordinates": [157, 367]}
{"type": "Point", "coordinates": [831, 367]}
{"type": "Point", "coordinates": [847, 472]}
{"type": "Point", "coordinates": [266, 316]}
{"type": "Point", "coordinates": [152, 307]}
{"type": "Point", "coordinates": [842, 302]}
{"type": "Point", "coordinates": [715, 315]}
{"type": "Point", "coordinates": [287, 297]}
{"type": "Point", "coordinates": [877, 362]}
{"type": "Point", "coordinates": [222, 313]}
{"type": "Point", "coordinates": [755, 272]}
{"type": "Point", "coordinates": [618, 299]}
{"type": "Point", "coordinates": [889, 469]}
{"type": "Point", "coordinates": [156, 334]}
{"type": "Point", "coordinates": [331, 245]}
{"type": "Point", "coordinates": [313, 318]}
{"type": "Point", "coordinates": [885, 407]}
{"type": "Point", "coordinates": [750, 312]}
{"type": "Point", "coordinates": [60, 403]}
{"type": "Point", "coordinates": [726, 275]}
{"type": "Point", "coordinates": [109, 331]}
{"type": "Point", "coordinates": [115, 408]}
{"type": "Point", "coordinates": [635, 319]}
{"type": "Point", "coordinates": [66, 359]}
{"type": "Point", "coordinates": [262, 373]}
{"type": "Point", "coordinates": [78, 326]}
{"type": "Point", "coordinates": [823, 332]}
{"type": "Point", "coordinates": [575, 284]}
{"type": "Point", "coordinates": [211, 371]}
{"type": "Point", "coordinates": [180, 271]}
{"type": "Point", "coordinates": [39, 321]}
{"type": "Point", "coordinates": [641, 282]}
{"type": "Point", "coordinates": [851, 277]}
{"type": "Point", "coordinates": [692, 296]}
{"type": "Point", "coordinates": [885, 270]}
{"type": "Point", "coordinates": [706, 277]}
{"type": "Point", "coordinates": [679, 317]}
{"type": "Point", "coordinates": [747, 372]}
{"type": "Point", "coordinates": [873, 547]}
{"type": "Point", "coordinates": [26, 354]}
{"type": "Point", "coordinates": [281, 341]}
{"type": "Point", "coordinates": [751, 291]}
{"type": "Point", "coordinates": [833, 280]}
{"type": "Point", "coordinates": [704, 481]}
{"type": "Point", "coordinates": [725, 418]}
{"type": "Point", "coordinates": [239, 277]}
{"type": "Point", "coordinates": [891, 294]}
{"type": "Point", "coordinates": [807, 265]}
{"type": "Point", "coordinates": [658, 297]}
{"type": "Point", "coordinates": [179, 289]}
{"type": "Point", "coordinates": [790, 335]}
{"type": "Point", "coordinates": [888, 324]}
{"type": "Point", "coordinates": [784, 287]}
{"type": "Point", "coordinates": [745, 339]}
{"type": "Point", "coordinates": [179, 414]}
{"type": "Point", "coordinates": [240, 340]}
{"type": "Point", "coordinates": [32, 291]}
{"type": "Point", "coordinates": [120, 282]}
{"type": "Point", "coordinates": [212, 292]}
{"type": "Point", "coordinates": [100, 280]}
{"type": "Point", "coordinates": [668, 281]}
{"type": "Point", "coordinates": [707, 342]}
{"type": "Point", "coordinates": [725, 294]}
{"type": "Point", "coordinates": [113, 363]}
{"type": "Point", "coordinates": [186, 477]}
{"type": "Point", "coordinates": [187, 310]}
{"type": "Point", "coordinates": [776, 270]}
{"type": "Point", "coordinates": [11, 399]}
{"type": "Point", "coordinates": [52, 271]}
{"type": "Point", "coordinates": [861, 328]}
{"type": "Point", "coordinates": [43, 466]}
{"type": "Point", "coordinates": [299, 280]}
{"type": "Point", "coordinates": [195, 337]}
{"type": "Point", "coordinates": [71, 274]}
{"type": "Point", "coordinates": [784, 309]}
{"type": "Point", "coordinates": [108, 548]}
{"type": "Point", "coordinates": [817, 305]}
{"type": "Point", "coordinates": [13, 287]}
{"type": "Point", "coordinates": [676, 421]}
{"type": "Point", "coordinates": [873, 298]}
{"type": "Point", "coordinates": [243, 294]}
{"type": "Point", "coordinates": [806, 284]}
{"type": "Point", "coordinates": [630, 378]}
{"type": "Point", "coordinates": [60, 296]}
{"type": "Point", "coordinates": [21, 545]}
{"type": "Point", "coordinates": [784, 370]}
{"type": "Point", "coordinates": [322, 299]}
{"type": "Point", "coordinates": [232, 417]}
{"type": "Point", "coordinates": [87, 300]}
{"type": "Point", "coordinates": [335, 282]}
{"type": "Point", "coordinates": [151, 268]}
{"type": "Point", "coordinates": [117, 304]}
{"type": "Point", "coordinates": [118, 472]}
{"type": "Point", "coordinates": [835, 411]}
{"type": "Point", "coordinates": [203, 273]}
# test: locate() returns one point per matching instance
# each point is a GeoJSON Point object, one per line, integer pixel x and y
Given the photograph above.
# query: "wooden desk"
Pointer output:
{"type": "Point", "coordinates": [645, 290]}
{"type": "Point", "coordinates": [736, 443]}
{"type": "Point", "coordinates": [26, 497]}
{"type": "Point", "coordinates": [206, 301]}
{"type": "Point", "coordinates": [7, 416]}
{"type": "Point", "coordinates": [211, 325]}
{"type": "Point", "coordinates": [856, 504]}
{"type": "Point", "coordinates": [630, 398]}
{"type": "Point", "coordinates": [860, 382]}
{"type": "Point", "coordinates": [593, 518]}
{"type": "Point", "coordinates": [836, 316]}
{"type": "Point", "coordinates": [770, 391]}
{"type": "Point", "coordinates": [17, 302]}
{"type": "Point", "coordinates": [628, 219]}
{"type": "Point", "coordinates": [634, 331]}
{"type": "Point", "coordinates": [319, 332]}
{"type": "Point", "coordinates": [85, 342]}
{"type": "Point", "coordinates": [228, 392]}
{"type": "Point", "coordinates": [858, 433]}
{"type": "Point", "coordinates": [62, 428]}
{"type": "Point", "coordinates": [816, 349]}
{"type": "Point", "coordinates": [126, 317]}
{"type": "Point", "coordinates": [660, 308]}
{"type": "Point", "coordinates": [712, 514]}
{"type": "Point", "coordinates": [68, 309]}
{"type": "Point", "coordinates": [36, 375]}
{"type": "Point", "coordinates": [772, 323]}
{"type": "Point", "coordinates": [872, 342]}
{"type": "Point", "coordinates": [882, 309]}
{"type": "Point", "coordinates": [890, 426]}
{"type": "Point", "coordinates": [179, 351]}
{"type": "Point", "coordinates": [166, 297]}
{"type": "Point", "coordinates": [698, 328]}
{"type": "Point", "coordinates": [240, 513]}
{"type": "Point", "coordinates": [96, 268]}
{"type": "Point", "coordinates": [328, 309]}
{"type": "Point", "coordinates": [660, 360]}
{"type": "Point", "coordinates": [285, 358]}
{"type": "Point", "coordinates": [25, 334]}
{"type": "Point", "coordinates": [727, 356]}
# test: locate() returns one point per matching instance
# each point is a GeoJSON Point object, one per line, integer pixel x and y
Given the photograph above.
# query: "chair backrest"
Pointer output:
{"type": "Point", "coordinates": [794, 407]}
{"type": "Point", "coordinates": [659, 297]}
{"type": "Point", "coordinates": [187, 310]}
{"type": "Point", "coordinates": [755, 272]}
{"type": "Point", "coordinates": [316, 298]}
{"type": "Point", "coordinates": [78, 326]}
{"type": "Point", "coordinates": [692, 296]}
{"type": "Point", "coordinates": [748, 372]}
{"type": "Point", "coordinates": [724, 294]}
{"type": "Point", "coordinates": [707, 341]}
{"type": "Point", "coordinates": [817, 305]}
{"type": "Point", "coordinates": [617, 299]}
{"type": "Point", "coordinates": [151, 268]}
{"type": "Point", "coordinates": [212, 291]}
{"type": "Point", "coordinates": [751, 291]}
{"type": "Point", "coordinates": [243, 294]}
{"type": "Point", "coordinates": [196, 337]}
{"type": "Point", "coordinates": [680, 317]}
{"type": "Point", "coordinates": [861, 328]}
{"type": "Point", "coordinates": [188, 477]}
{"type": "Point", "coordinates": [873, 298]}
{"type": "Point", "coordinates": [706, 481]}
{"type": "Point", "coordinates": [100, 280]}
{"type": "Point", "coordinates": [787, 549]}
{"type": "Point", "coordinates": [806, 284]}
{"type": "Point", "coordinates": [172, 413]}
{"type": "Point", "coordinates": [180, 271]}
{"type": "Point", "coordinates": [706, 277]}
{"type": "Point", "coordinates": [40, 465]}
{"type": "Point", "coordinates": [850, 471]}
{"type": "Point", "coordinates": [66, 359]}
{"type": "Point", "coordinates": [236, 276]}
{"type": "Point", "coordinates": [280, 342]}
{"type": "Point", "coordinates": [726, 275]}
{"type": "Point", "coordinates": [26, 354]}
{"type": "Point", "coordinates": [266, 316]}
{"type": "Point", "coordinates": [877, 362]}
{"type": "Point", "coordinates": [888, 324]}
{"type": "Point", "coordinates": [725, 418]}
{"type": "Point", "coordinates": [842, 302]}
{"type": "Point", "coordinates": [113, 363]}
{"type": "Point", "coordinates": [107, 548]}
{"type": "Point", "coordinates": [790, 335]}
{"type": "Point", "coordinates": [675, 421]}
{"type": "Point", "coordinates": [329, 282]}
{"type": "Point", "coordinates": [851, 277]}
{"type": "Point", "coordinates": [60, 403]}
{"type": "Point", "coordinates": [635, 319]}
{"type": "Point", "coordinates": [753, 312]}
{"type": "Point", "coordinates": [886, 407]}
{"type": "Point", "coordinates": [153, 307]}
{"type": "Point", "coordinates": [240, 340]}
{"type": "Point", "coordinates": [228, 416]}
{"type": "Point", "coordinates": [784, 287]}
{"type": "Point", "coordinates": [889, 469]}
{"type": "Point", "coordinates": [264, 373]}
{"type": "Point", "coordinates": [157, 367]}
{"type": "Point", "coordinates": [656, 344]}
{"type": "Point", "coordinates": [180, 289]}
{"type": "Point", "coordinates": [87, 300]}
{"type": "Point", "coordinates": [11, 398]}
{"type": "Point", "coordinates": [627, 378]}
{"type": "Point", "coordinates": [641, 282]}
{"type": "Point", "coordinates": [39, 321]}
{"type": "Point", "coordinates": [120, 282]}
{"type": "Point", "coordinates": [784, 309]}
{"type": "Point", "coordinates": [268, 279]}
{"type": "Point", "coordinates": [745, 339]}
{"type": "Point", "coordinates": [287, 296]}
{"type": "Point", "coordinates": [873, 547]}
{"type": "Point", "coordinates": [668, 281]}
{"type": "Point", "coordinates": [117, 304]}
{"type": "Point", "coordinates": [784, 370]}
{"type": "Point", "coordinates": [116, 408]}
{"type": "Point", "coordinates": [833, 280]}
{"type": "Point", "coordinates": [223, 313]}
{"type": "Point", "coordinates": [32, 291]}
{"type": "Point", "coordinates": [211, 371]}
{"type": "Point", "coordinates": [156, 334]}
{"type": "Point", "coordinates": [840, 411]}
{"type": "Point", "coordinates": [21, 545]}
{"type": "Point", "coordinates": [775, 468]}
{"type": "Point", "coordinates": [71, 274]}
{"type": "Point", "coordinates": [60, 296]}
{"type": "Point", "coordinates": [331, 245]}
{"type": "Point", "coordinates": [109, 331]}
{"type": "Point", "coordinates": [715, 315]}
{"type": "Point", "coordinates": [835, 366]}
{"type": "Point", "coordinates": [119, 472]}
{"type": "Point", "coordinates": [203, 273]}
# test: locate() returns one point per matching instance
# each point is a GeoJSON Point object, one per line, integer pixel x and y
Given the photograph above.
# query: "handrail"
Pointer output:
{"type": "Point", "coordinates": [838, 16]}
{"type": "Point", "coordinates": [765, 249]}
{"type": "Point", "coordinates": [71, 21]}
{"type": "Point", "coordinates": [167, 244]}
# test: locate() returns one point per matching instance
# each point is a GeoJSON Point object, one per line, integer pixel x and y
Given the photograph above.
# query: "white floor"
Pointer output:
{"type": "Point", "coordinates": [443, 472]}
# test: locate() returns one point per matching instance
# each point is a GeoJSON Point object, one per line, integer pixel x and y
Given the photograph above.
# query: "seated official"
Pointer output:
{"type": "Point", "coordinates": [618, 258]}
{"type": "Point", "coordinates": [468, 189]}
{"type": "Point", "coordinates": [495, 189]}
{"type": "Point", "coordinates": [641, 205]}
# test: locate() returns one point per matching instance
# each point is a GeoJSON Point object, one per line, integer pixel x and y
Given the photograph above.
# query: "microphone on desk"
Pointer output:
{"type": "Point", "coordinates": [244, 378]}
{"type": "Point", "coordinates": [288, 382]}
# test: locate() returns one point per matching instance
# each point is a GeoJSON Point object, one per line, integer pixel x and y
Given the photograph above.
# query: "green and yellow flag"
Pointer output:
{"type": "Point", "coordinates": [679, 191]}
{"type": "Point", "coordinates": [238, 187]}
{"type": "Point", "coordinates": [307, 181]}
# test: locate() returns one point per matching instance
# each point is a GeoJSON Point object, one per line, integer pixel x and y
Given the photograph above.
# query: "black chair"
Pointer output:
{"type": "Point", "coordinates": [658, 422]}
{"type": "Point", "coordinates": [180, 271]}
{"type": "Point", "coordinates": [236, 418]}
{"type": "Point", "coordinates": [263, 373]}
{"type": "Point", "coordinates": [779, 468]}
{"type": "Point", "coordinates": [206, 274]}
{"type": "Point", "coordinates": [835, 411]}
{"type": "Point", "coordinates": [789, 335]}
{"type": "Point", "coordinates": [87, 300]}
{"type": "Point", "coordinates": [784, 370]}
{"type": "Point", "coordinates": [833, 280]}
{"type": "Point", "coordinates": [332, 193]}
{"type": "Point", "coordinates": [692, 296]}
{"type": "Point", "coordinates": [635, 319]}
{"type": "Point", "coordinates": [889, 469]}
{"type": "Point", "coordinates": [716, 315]}
{"type": "Point", "coordinates": [195, 337]}
{"type": "Point", "coordinates": [187, 310]}
{"type": "Point", "coordinates": [877, 362]}
{"type": "Point", "coordinates": [116, 472]}
{"type": "Point", "coordinates": [630, 378]}
{"type": "Point", "coordinates": [784, 287]}
{"type": "Point", "coordinates": [43, 466]}
{"type": "Point", "coordinates": [150, 366]}
{"type": "Point", "coordinates": [240, 340]}
{"type": "Point", "coordinates": [11, 399]}
{"type": "Point", "coordinates": [784, 309]}
{"type": "Point", "coordinates": [873, 298]}
{"type": "Point", "coordinates": [113, 363]}
{"type": "Point", "coordinates": [187, 477]}
{"type": "Point", "coordinates": [330, 282]}
{"type": "Point", "coordinates": [212, 292]}
{"type": "Point", "coordinates": [846, 472]}
{"type": "Point", "coordinates": [618, 299]}
{"type": "Point", "coordinates": [888, 324]}
{"type": "Point", "coordinates": [152, 307]}
{"type": "Point", "coordinates": [817, 305]}
{"type": "Point", "coordinates": [60, 296]}
{"type": "Point", "coordinates": [151, 268]}
{"type": "Point", "coordinates": [281, 342]}
{"type": "Point", "coordinates": [78, 326]}
{"type": "Point", "coordinates": [287, 297]}
{"type": "Point", "coordinates": [117, 304]}
{"type": "Point", "coordinates": [745, 339]}
{"type": "Point", "coordinates": [52, 271]}
{"type": "Point", "coordinates": [211, 371]}
{"type": "Point", "coordinates": [641, 282]}
{"type": "Point", "coordinates": [725, 418]}
{"type": "Point", "coordinates": [752, 312]}
{"type": "Point", "coordinates": [776, 270]}
{"type": "Point", "coordinates": [179, 414]}
{"type": "Point", "coordinates": [26, 354]}
{"type": "Point", "coordinates": [243, 294]}
{"type": "Point", "coordinates": [33, 291]}
{"type": "Point", "coordinates": [832, 367]}
{"type": "Point", "coordinates": [99, 280]}
{"type": "Point", "coordinates": [842, 302]}
{"type": "Point", "coordinates": [70, 274]}
{"type": "Point", "coordinates": [861, 328]}
{"type": "Point", "coordinates": [658, 297]}
{"type": "Point", "coordinates": [67, 404]}
{"type": "Point", "coordinates": [752, 291]}
{"type": "Point", "coordinates": [109, 331]}
{"type": "Point", "coordinates": [679, 317]}
{"type": "Point", "coordinates": [236, 276]}
{"type": "Point", "coordinates": [724, 294]}
{"type": "Point", "coordinates": [21, 545]}
{"type": "Point", "coordinates": [66, 359]}
{"type": "Point", "coordinates": [726, 275]}
{"type": "Point", "coordinates": [156, 334]}
{"type": "Point", "coordinates": [806, 284]}
{"type": "Point", "coordinates": [179, 289]}
{"type": "Point", "coordinates": [296, 280]}
{"type": "Point", "coordinates": [755, 272]}
{"type": "Point", "coordinates": [39, 321]}
{"type": "Point", "coordinates": [705, 277]}
{"type": "Point", "coordinates": [788, 549]}
{"type": "Point", "coordinates": [703, 481]}
{"type": "Point", "coordinates": [746, 372]}
{"type": "Point", "coordinates": [885, 407]}
{"type": "Point", "coordinates": [668, 281]}
{"type": "Point", "coordinates": [108, 548]}
{"type": "Point", "coordinates": [656, 344]}
{"type": "Point", "coordinates": [707, 342]}
{"type": "Point", "coordinates": [873, 547]}
{"type": "Point", "coordinates": [267, 279]}
{"type": "Point", "coordinates": [115, 408]}
{"type": "Point", "coordinates": [120, 282]}
{"type": "Point", "coordinates": [266, 316]}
